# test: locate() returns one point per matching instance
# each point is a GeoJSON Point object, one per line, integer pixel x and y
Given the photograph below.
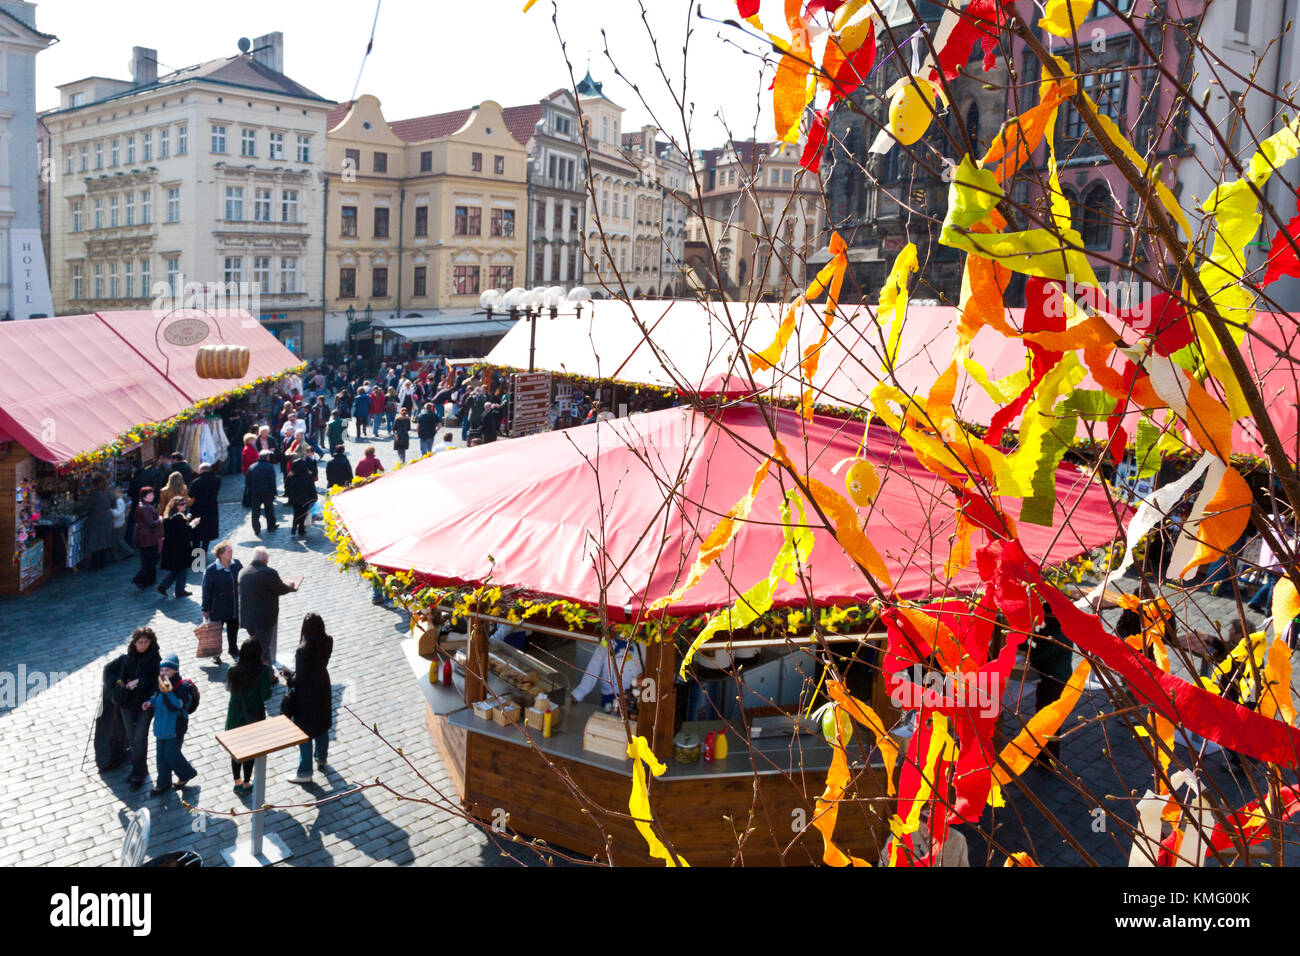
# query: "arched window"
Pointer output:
{"type": "Point", "coordinates": [1098, 215]}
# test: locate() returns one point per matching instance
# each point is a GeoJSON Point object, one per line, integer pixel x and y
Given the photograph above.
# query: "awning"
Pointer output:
{"type": "Point", "coordinates": [451, 330]}
{"type": "Point", "coordinates": [73, 384]}
{"type": "Point", "coordinates": [629, 501]}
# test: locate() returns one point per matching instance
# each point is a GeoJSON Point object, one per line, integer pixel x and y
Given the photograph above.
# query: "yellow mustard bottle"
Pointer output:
{"type": "Point", "coordinates": [720, 746]}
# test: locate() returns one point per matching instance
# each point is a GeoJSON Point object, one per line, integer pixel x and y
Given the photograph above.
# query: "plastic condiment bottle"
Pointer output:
{"type": "Point", "coordinates": [446, 673]}
{"type": "Point", "coordinates": [720, 746]}
{"type": "Point", "coordinates": [433, 672]}
{"type": "Point", "coordinates": [546, 723]}
{"type": "Point", "coordinates": [708, 746]}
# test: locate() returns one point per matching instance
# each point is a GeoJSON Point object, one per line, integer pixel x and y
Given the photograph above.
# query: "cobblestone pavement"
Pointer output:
{"type": "Point", "coordinates": [57, 809]}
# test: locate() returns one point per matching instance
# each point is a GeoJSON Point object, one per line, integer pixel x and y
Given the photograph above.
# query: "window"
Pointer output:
{"type": "Point", "coordinates": [99, 155]}
{"type": "Point", "coordinates": [113, 205]}
{"type": "Point", "coordinates": [573, 219]}
{"type": "Point", "coordinates": [164, 143]}
{"type": "Point", "coordinates": [604, 129]}
{"type": "Point", "coordinates": [469, 221]}
{"type": "Point", "coordinates": [112, 280]}
{"type": "Point", "coordinates": [144, 278]}
{"type": "Point", "coordinates": [130, 155]}
{"type": "Point", "coordinates": [182, 139]}
{"type": "Point", "coordinates": [276, 150]}
{"type": "Point", "coordinates": [174, 204]}
{"type": "Point", "coordinates": [76, 216]}
{"type": "Point", "coordinates": [551, 168]}
{"type": "Point", "coordinates": [379, 282]}
{"type": "Point", "coordinates": [289, 274]}
{"type": "Point", "coordinates": [113, 154]}
{"type": "Point", "coordinates": [421, 281]}
{"type": "Point", "coordinates": [247, 142]}
{"type": "Point", "coordinates": [84, 151]}
{"type": "Point", "coordinates": [76, 282]}
{"type": "Point", "coordinates": [130, 208]}
{"type": "Point", "coordinates": [1098, 216]}
{"type": "Point", "coordinates": [464, 280]}
{"type": "Point", "coordinates": [128, 277]}
{"type": "Point", "coordinates": [1108, 86]}
{"type": "Point", "coordinates": [421, 220]}
{"type": "Point", "coordinates": [289, 205]}
{"type": "Point", "coordinates": [556, 211]}
{"type": "Point", "coordinates": [172, 265]}
{"type": "Point", "coordinates": [262, 274]}
{"type": "Point", "coordinates": [99, 214]}
{"type": "Point", "coordinates": [604, 201]}
{"type": "Point", "coordinates": [146, 146]}
{"type": "Point", "coordinates": [1241, 19]}
{"type": "Point", "coordinates": [347, 283]}
{"type": "Point", "coordinates": [381, 162]}
{"type": "Point", "coordinates": [788, 176]}
{"type": "Point", "coordinates": [304, 149]}
{"type": "Point", "coordinates": [235, 203]}
{"type": "Point", "coordinates": [499, 165]}
{"type": "Point", "coordinates": [381, 222]}
{"type": "Point", "coordinates": [352, 160]}
{"type": "Point", "coordinates": [262, 204]}
{"type": "Point", "coordinates": [476, 162]}
{"type": "Point", "coordinates": [426, 161]}
{"type": "Point", "coordinates": [218, 139]}
{"type": "Point", "coordinates": [624, 205]}
{"type": "Point", "coordinates": [77, 99]}
{"type": "Point", "coordinates": [145, 214]}
{"type": "Point", "coordinates": [99, 280]}
{"type": "Point", "coordinates": [233, 272]}
{"type": "Point", "coordinates": [348, 227]}
{"type": "Point", "coordinates": [503, 277]}
{"type": "Point", "coordinates": [503, 223]}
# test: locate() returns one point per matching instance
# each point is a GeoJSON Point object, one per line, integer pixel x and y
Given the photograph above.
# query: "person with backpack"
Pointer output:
{"type": "Point", "coordinates": [310, 700]}
{"type": "Point", "coordinates": [249, 683]}
{"type": "Point", "coordinates": [131, 680]}
{"type": "Point", "coordinates": [172, 705]}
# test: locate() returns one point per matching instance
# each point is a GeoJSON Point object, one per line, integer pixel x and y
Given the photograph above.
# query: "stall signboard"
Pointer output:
{"type": "Point", "coordinates": [76, 538]}
{"type": "Point", "coordinates": [530, 402]}
{"type": "Point", "coordinates": [31, 564]}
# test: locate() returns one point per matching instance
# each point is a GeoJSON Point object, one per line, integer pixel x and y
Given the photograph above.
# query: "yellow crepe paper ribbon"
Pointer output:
{"type": "Point", "coordinates": [772, 354]}
{"type": "Point", "coordinates": [1275, 701]}
{"type": "Point", "coordinates": [812, 354]}
{"type": "Point", "coordinates": [941, 746]}
{"type": "Point", "coordinates": [1020, 753]}
{"type": "Point", "coordinates": [639, 803]}
{"type": "Point", "coordinates": [827, 810]}
{"type": "Point", "coordinates": [868, 718]}
{"type": "Point", "coordinates": [1063, 17]}
{"type": "Point", "coordinates": [893, 298]}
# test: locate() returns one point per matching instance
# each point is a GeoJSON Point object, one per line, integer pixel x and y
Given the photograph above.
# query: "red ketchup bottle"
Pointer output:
{"type": "Point", "coordinates": [708, 746]}
{"type": "Point", "coordinates": [446, 673]}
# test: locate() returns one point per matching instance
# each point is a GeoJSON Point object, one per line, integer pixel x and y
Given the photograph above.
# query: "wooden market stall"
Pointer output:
{"type": "Point", "coordinates": [77, 393]}
{"type": "Point", "coordinates": [608, 518]}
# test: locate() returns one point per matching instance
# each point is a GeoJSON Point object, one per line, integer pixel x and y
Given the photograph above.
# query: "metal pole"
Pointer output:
{"type": "Point", "coordinates": [259, 798]}
{"type": "Point", "coordinates": [532, 337]}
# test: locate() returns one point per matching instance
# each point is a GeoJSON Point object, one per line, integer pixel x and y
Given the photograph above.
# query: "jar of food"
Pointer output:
{"type": "Point", "coordinates": [686, 748]}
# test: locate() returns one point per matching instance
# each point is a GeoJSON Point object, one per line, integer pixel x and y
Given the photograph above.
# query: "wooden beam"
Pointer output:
{"type": "Point", "coordinates": [476, 659]}
{"type": "Point", "coordinates": [656, 718]}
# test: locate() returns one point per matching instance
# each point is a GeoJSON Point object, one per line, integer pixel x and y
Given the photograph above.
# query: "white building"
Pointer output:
{"type": "Point", "coordinates": [210, 175]}
{"type": "Point", "coordinates": [660, 239]}
{"type": "Point", "coordinates": [24, 282]}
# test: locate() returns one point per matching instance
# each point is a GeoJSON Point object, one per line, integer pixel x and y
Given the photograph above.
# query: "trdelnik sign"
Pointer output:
{"type": "Point", "coordinates": [28, 278]}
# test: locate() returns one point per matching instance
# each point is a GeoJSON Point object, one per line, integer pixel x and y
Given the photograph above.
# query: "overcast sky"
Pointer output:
{"type": "Point", "coordinates": [431, 56]}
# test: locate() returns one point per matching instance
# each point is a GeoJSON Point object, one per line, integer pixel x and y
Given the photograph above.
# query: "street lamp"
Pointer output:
{"type": "Point", "coordinates": [351, 314]}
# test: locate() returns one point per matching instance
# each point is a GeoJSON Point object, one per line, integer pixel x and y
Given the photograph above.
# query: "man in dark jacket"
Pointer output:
{"type": "Point", "coordinates": [178, 463]}
{"type": "Point", "coordinates": [339, 470]}
{"type": "Point", "coordinates": [260, 588]}
{"type": "Point", "coordinates": [203, 491]}
{"type": "Point", "coordinates": [259, 491]}
{"type": "Point", "coordinates": [361, 412]}
{"type": "Point", "coordinates": [221, 596]}
{"type": "Point", "coordinates": [427, 428]}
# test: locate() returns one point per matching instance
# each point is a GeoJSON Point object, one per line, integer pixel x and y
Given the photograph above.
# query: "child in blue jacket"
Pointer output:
{"type": "Point", "coordinates": [171, 719]}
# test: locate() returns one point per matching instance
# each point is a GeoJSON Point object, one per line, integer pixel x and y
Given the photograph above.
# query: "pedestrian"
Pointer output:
{"type": "Point", "coordinates": [148, 532]}
{"type": "Point", "coordinates": [249, 683]}
{"type": "Point", "coordinates": [338, 473]}
{"type": "Point", "coordinates": [221, 595]}
{"type": "Point", "coordinates": [204, 490]}
{"type": "Point", "coordinates": [378, 402]}
{"type": "Point", "coordinates": [171, 706]}
{"type": "Point", "coordinates": [369, 464]}
{"type": "Point", "coordinates": [401, 429]}
{"type": "Point", "coordinates": [427, 428]}
{"type": "Point", "coordinates": [176, 554]}
{"type": "Point", "coordinates": [391, 404]}
{"type": "Point", "coordinates": [448, 443]}
{"type": "Point", "coordinates": [308, 458]}
{"type": "Point", "coordinates": [249, 453]}
{"type": "Point", "coordinates": [175, 487]}
{"type": "Point", "coordinates": [361, 412]}
{"type": "Point", "coordinates": [471, 413]}
{"type": "Point", "coordinates": [300, 489]}
{"type": "Point", "coordinates": [311, 695]}
{"type": "Point", "coordinates": [259, 492]}
{"type": "Point", "coordinates": [268, 441]}
{"type": "Point", "coordinates": [121, 547]}
{"type": "Point", "coordinates": [1051, 654]}
{"type": "Point", "coordinates": [320, 415]}
{"type": "Point", "coordinates": [97, 532]}
{"type": "Point", "coordinates": [132, 679]}
{"type": "Point", "coordinates": [260, 589]}
{"type": "Point", "coordinates": [337, 429]}
{"type": "Point", "coordinates": [179, 465]}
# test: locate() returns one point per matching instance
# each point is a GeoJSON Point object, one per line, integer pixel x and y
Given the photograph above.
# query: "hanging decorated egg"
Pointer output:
{"type": "Point", "coordinates": [837, 726]}
{"type": "Point", "coordinates": [911, 110]}
{"type": "Point", "coordinates": [862, 483]}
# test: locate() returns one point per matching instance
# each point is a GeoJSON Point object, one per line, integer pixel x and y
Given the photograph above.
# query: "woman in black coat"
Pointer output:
{"type": "Point", "coordinates": [311, 696]}
{"type": "Point", "coordinates": [97, 532]}
{"type": "Point", "coordinates": [402, 434]}
{"type": "Point", "coordinates": [204, 490]}
{"type": "Point", "coordinates": [176, 554]}
{"type": "Point", "coordinates": [300, 489]}
{"type": "Point", "coordinates": [131, 680]}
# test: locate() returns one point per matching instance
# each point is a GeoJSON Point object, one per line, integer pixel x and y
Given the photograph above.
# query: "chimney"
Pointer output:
{"type": "Point", "coordinates": [144, 65]}
{"type": "Point", "coordinates": [648, 134]}
{"type": "Point", "coordinates": [268, 50]}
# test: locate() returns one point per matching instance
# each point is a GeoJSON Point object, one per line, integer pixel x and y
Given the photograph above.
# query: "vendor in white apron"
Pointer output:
{"type": "Point", "coordinates": [627, 660]}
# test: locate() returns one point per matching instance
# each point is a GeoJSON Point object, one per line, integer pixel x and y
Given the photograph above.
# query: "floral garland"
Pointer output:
{"type": "Point", "coordinates": [150, 430]}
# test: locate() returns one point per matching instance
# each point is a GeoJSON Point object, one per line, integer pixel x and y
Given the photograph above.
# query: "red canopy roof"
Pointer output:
{"type": "Point", "coordinates": [73, 384]}
{"type": "Point", "coordinates": [629, 501]}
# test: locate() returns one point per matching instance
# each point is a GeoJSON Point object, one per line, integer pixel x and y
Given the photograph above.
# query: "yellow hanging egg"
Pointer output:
{"type": "Point", "coordinates": [862, 482]}
{"type": "Point", "coordinates": [910, 111]}
{"type": "Point", "coordinates": [852, 26]}
{"type": "Point", "coordinates": [837, 726]}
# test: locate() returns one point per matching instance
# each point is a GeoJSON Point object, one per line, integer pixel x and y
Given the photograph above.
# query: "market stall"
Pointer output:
{"type": "Point", "coordinates": [550, 532]}
{"type": "Point", "coordinates": [80, 396]}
